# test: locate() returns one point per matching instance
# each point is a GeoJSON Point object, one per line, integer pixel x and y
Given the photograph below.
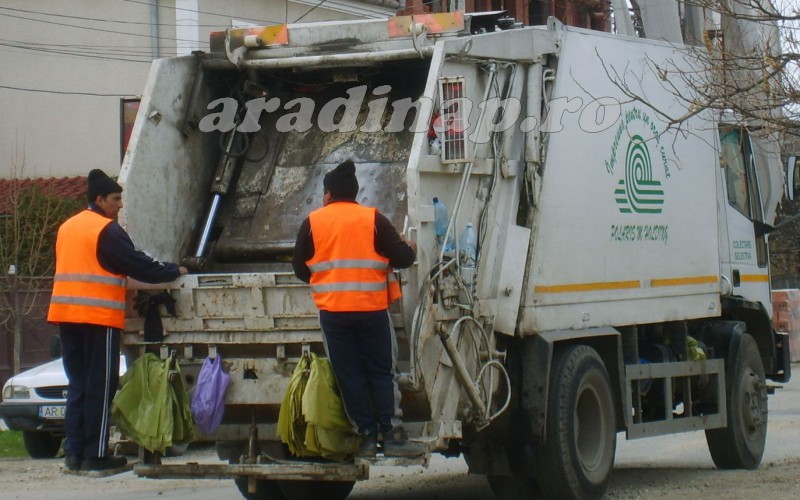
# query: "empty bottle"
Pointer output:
{"type": "Point", "coordinates": [441, 218]}
{"type": "Point", "coordinates": [468, 244]}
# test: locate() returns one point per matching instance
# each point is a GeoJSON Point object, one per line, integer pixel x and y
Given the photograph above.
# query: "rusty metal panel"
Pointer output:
{"type": "Point", "coordinates": [236, 304]}
{"type": "Point", "coordinates": [274, 196]}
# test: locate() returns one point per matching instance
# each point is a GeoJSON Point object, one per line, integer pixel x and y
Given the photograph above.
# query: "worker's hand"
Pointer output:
{"type": "Point", "coordinates": [182, 270]}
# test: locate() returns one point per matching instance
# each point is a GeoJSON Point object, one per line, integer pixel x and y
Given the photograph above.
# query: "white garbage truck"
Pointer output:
{"type": "Point", "coordinates": [621, 274]}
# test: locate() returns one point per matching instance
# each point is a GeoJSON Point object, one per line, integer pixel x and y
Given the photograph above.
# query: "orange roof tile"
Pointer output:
{"type": "Point", "coordinates": [64, 187]}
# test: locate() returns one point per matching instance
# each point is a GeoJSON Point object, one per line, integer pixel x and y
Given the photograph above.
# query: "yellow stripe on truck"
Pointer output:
{"type": "Point", "coordinates": [755, 278]}
{"type": "Point", "coordinates": [587, 287]}
{"type": "Point", "coordinates": [624, 285]}
{"type": "Point", "coordinates": [691, 280]}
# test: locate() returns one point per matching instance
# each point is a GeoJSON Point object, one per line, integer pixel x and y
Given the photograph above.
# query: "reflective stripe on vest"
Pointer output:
{"type": "Point", "coordinates": [349, 287]}
{"type": "Point", "coordinates": [83, 301]}
{"type": "Point", "coordinates": [347, 274]}
{"type": "Point", "coordinates": [90, 278]}
{"type": "Point", "coordinates": [347, 264]}
{"type": "Point", "coordinates": [83, 291]}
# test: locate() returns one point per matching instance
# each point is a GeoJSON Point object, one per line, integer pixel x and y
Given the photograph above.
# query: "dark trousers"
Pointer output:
{"type": "Point", "coordinates": [359, 345]}
{"type": "Point", "coordinates": [91, 361]}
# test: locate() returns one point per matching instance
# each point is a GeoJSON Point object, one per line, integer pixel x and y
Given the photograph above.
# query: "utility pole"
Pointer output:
{"type": "Point", "coordinates": [17, 362]}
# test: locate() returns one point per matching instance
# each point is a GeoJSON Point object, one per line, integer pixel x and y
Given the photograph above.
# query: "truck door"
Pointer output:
{"type": "Point", "coordinates": [748, 256]}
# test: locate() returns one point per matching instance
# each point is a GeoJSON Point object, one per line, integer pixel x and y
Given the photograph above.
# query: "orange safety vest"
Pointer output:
{"type": "Point", "coordinates": [83, 291]}
{"type": "Point", "coordinates": [347, 274]}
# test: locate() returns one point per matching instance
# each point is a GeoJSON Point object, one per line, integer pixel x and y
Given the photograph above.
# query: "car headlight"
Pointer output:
{"type": "Point", "coordinates": [16, 392]}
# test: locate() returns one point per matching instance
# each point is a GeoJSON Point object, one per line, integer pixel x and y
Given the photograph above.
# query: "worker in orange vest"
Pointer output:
{"type": "Point", "coordinates": [94, 257]}
{"type": "Point", "coordinates": [347, 252]}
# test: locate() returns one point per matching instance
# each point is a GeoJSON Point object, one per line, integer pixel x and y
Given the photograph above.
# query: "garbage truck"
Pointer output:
{"type": "Point", "coordinates": [620, 280]}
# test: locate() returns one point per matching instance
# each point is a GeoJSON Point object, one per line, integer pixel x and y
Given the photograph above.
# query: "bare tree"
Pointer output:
{"type": "Point", "coordinates": [27, 236]}
{"type": "Point", "coordinates": [741, 59]}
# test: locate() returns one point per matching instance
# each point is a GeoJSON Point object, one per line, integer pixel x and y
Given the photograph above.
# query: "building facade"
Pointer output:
{"type": "Point", "coordinates": [66, 66]}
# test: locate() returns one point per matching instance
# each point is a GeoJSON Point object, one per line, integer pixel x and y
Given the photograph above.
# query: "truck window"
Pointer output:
{"type": "Point", "coordinates": [733, 163]}
{"type": "Point", "coordinates": [738, 162]}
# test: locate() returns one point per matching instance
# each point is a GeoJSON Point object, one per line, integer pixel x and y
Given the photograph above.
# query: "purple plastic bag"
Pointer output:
{"type": "Point", "coordinates": [208, 401]}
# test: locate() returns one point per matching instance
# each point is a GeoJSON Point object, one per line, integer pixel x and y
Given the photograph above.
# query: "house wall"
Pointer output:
{"type": "Point", "coordinates": [68, 64]}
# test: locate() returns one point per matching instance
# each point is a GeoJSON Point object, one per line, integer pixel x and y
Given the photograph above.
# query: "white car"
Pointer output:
{"type": "Point", "coordinates": [34, 402]}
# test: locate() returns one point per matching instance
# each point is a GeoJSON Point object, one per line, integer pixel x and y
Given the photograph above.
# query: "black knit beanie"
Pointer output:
{"type": "Point", "coordinates": [341, 182]}
{"type": "Point", "coordinates": [101, 185]}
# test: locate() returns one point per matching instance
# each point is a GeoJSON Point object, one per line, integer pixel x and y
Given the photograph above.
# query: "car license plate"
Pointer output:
{"type": "Point", "coordinates": [55, 411]}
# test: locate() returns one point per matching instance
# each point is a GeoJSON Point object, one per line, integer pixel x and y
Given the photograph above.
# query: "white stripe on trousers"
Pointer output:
{"type": "Point", "coordinates": [102, 443]}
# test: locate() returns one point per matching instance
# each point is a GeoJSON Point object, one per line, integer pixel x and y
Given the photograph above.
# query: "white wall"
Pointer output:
{"type": "Point", "coordinates": [61, 118]}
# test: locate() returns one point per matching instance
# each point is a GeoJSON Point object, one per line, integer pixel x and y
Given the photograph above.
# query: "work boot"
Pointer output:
{"type": "Point", "coordinates": [103, 463]}
{"type": "Point", "coordinates": [369, 445]}
{"type": "Point", "coordinates": [396, 444]}
{"type": "Point", "coordinates": [72, 462]}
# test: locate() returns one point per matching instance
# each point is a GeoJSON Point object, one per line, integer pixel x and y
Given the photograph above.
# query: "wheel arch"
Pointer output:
{"type": "Point", "coordinates": [538, 352]}
{"type": "Point", "coordinates": [772, 347]}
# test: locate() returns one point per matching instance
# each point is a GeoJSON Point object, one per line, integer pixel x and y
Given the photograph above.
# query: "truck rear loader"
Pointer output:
{"type": "Point", "coordinates": [620, 280]}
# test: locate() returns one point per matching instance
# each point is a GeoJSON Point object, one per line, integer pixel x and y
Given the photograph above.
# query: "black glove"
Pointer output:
{"type": "Point", "coordinates": [147, 306]}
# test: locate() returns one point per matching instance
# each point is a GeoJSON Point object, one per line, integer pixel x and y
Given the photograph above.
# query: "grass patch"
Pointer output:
{"type": "Point", "coordinates": [11, 445]}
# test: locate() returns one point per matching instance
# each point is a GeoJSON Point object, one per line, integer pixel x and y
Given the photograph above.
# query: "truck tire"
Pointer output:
{"type": "Point", "coordinates": [520, 485]}
{"type": "Point", "coordinates": [577, 457]}
{"type": "Point", "coordinates": [740, 445]}
{"type": "Point", "coordinates": [41, 444]}
{"type": "Point", "coordinates": [329, 490]}
{"type": "Point", "coordinates": [513, 487]}
{"type": "Point", "coordinates": [266, 489]}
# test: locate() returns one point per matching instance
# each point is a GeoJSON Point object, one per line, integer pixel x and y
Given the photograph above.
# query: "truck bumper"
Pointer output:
{"type": "Point", "coordinates": [300, 470]}
{"type": "Point", "coordinates": [353, 471]}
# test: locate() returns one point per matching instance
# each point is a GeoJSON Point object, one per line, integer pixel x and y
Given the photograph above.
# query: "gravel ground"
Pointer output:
{"type": "Point", "coordinates": [446, 479]}
{"type": "Point", "coordinates": [667, 467]}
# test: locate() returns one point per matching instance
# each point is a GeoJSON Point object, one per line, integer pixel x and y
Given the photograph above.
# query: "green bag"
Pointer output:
{"type": "Point", "coordinates": [312, 420]}
{"type": "Point", "coordinates": [291, 424]}
{"type": "Point", "coordinates": [329, 432]}
{"type": "Point", "coordinates": [152, 408]}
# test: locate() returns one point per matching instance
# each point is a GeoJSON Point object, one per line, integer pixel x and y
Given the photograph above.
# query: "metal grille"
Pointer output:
{"type": "Point", "coordinates": [453, 125]}
{"type": "Point", "coordinates": [54, 392]}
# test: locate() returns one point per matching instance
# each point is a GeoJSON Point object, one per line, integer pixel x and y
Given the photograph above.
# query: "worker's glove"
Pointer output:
{"type": "Point", "coordinates": [141, 303]}
{"type": "Point", "coordinates": [146, 306]}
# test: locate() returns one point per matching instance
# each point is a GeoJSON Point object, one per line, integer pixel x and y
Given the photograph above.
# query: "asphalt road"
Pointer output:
{"type": "Point", "coordinates": [668, 467]}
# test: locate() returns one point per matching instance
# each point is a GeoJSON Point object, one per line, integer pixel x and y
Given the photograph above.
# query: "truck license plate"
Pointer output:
{"type": "Point", "coordinates": [55, 411]}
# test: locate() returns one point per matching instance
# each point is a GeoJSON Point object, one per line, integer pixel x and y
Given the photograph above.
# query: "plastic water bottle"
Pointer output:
{"type": "Point", "coordinates": [468, 244]}
{"type": "Point", "coordinates": [441, 219]}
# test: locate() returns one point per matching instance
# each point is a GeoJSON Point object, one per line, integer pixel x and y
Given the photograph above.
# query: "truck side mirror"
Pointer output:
{"type": "Point", "coordinates": [792, 178]}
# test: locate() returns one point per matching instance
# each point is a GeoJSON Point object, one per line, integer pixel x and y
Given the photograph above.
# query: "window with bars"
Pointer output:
{"type": "Point", "coordinates": [453, 123]}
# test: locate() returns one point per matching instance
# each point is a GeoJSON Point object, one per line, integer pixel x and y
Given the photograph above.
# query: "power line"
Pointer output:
{"type": "Point", "coordinates": [96, 55]}
{"type": "Point", "coordinates": [83, 18]}
{"type": "Point", "coordinates": [202, 12]}
{"type": "Point", "coordinates": [94, 29]}
{"type": "Point", "coordinates": [61, 92]}
{"type": "Point", "coordinates": [96, 49]}
{"type": "Point", "coordinates": [309, 11]}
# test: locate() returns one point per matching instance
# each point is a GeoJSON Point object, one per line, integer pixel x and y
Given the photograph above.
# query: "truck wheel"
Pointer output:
{"type": "Point", "coordinates": [740, 445]}
{"type": "Point", "coordinates": [520, 485]}
{"type": "Point", "coordinates": [41, 444]}
{"type": "Point", "coordinates": [329, 490]}
{"type": "Point", "coordinates": [513, 487]}
{"type": "Point", "coordinates": [576, 459]}
{"type": "Point", "coordinates": [266, 489]}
